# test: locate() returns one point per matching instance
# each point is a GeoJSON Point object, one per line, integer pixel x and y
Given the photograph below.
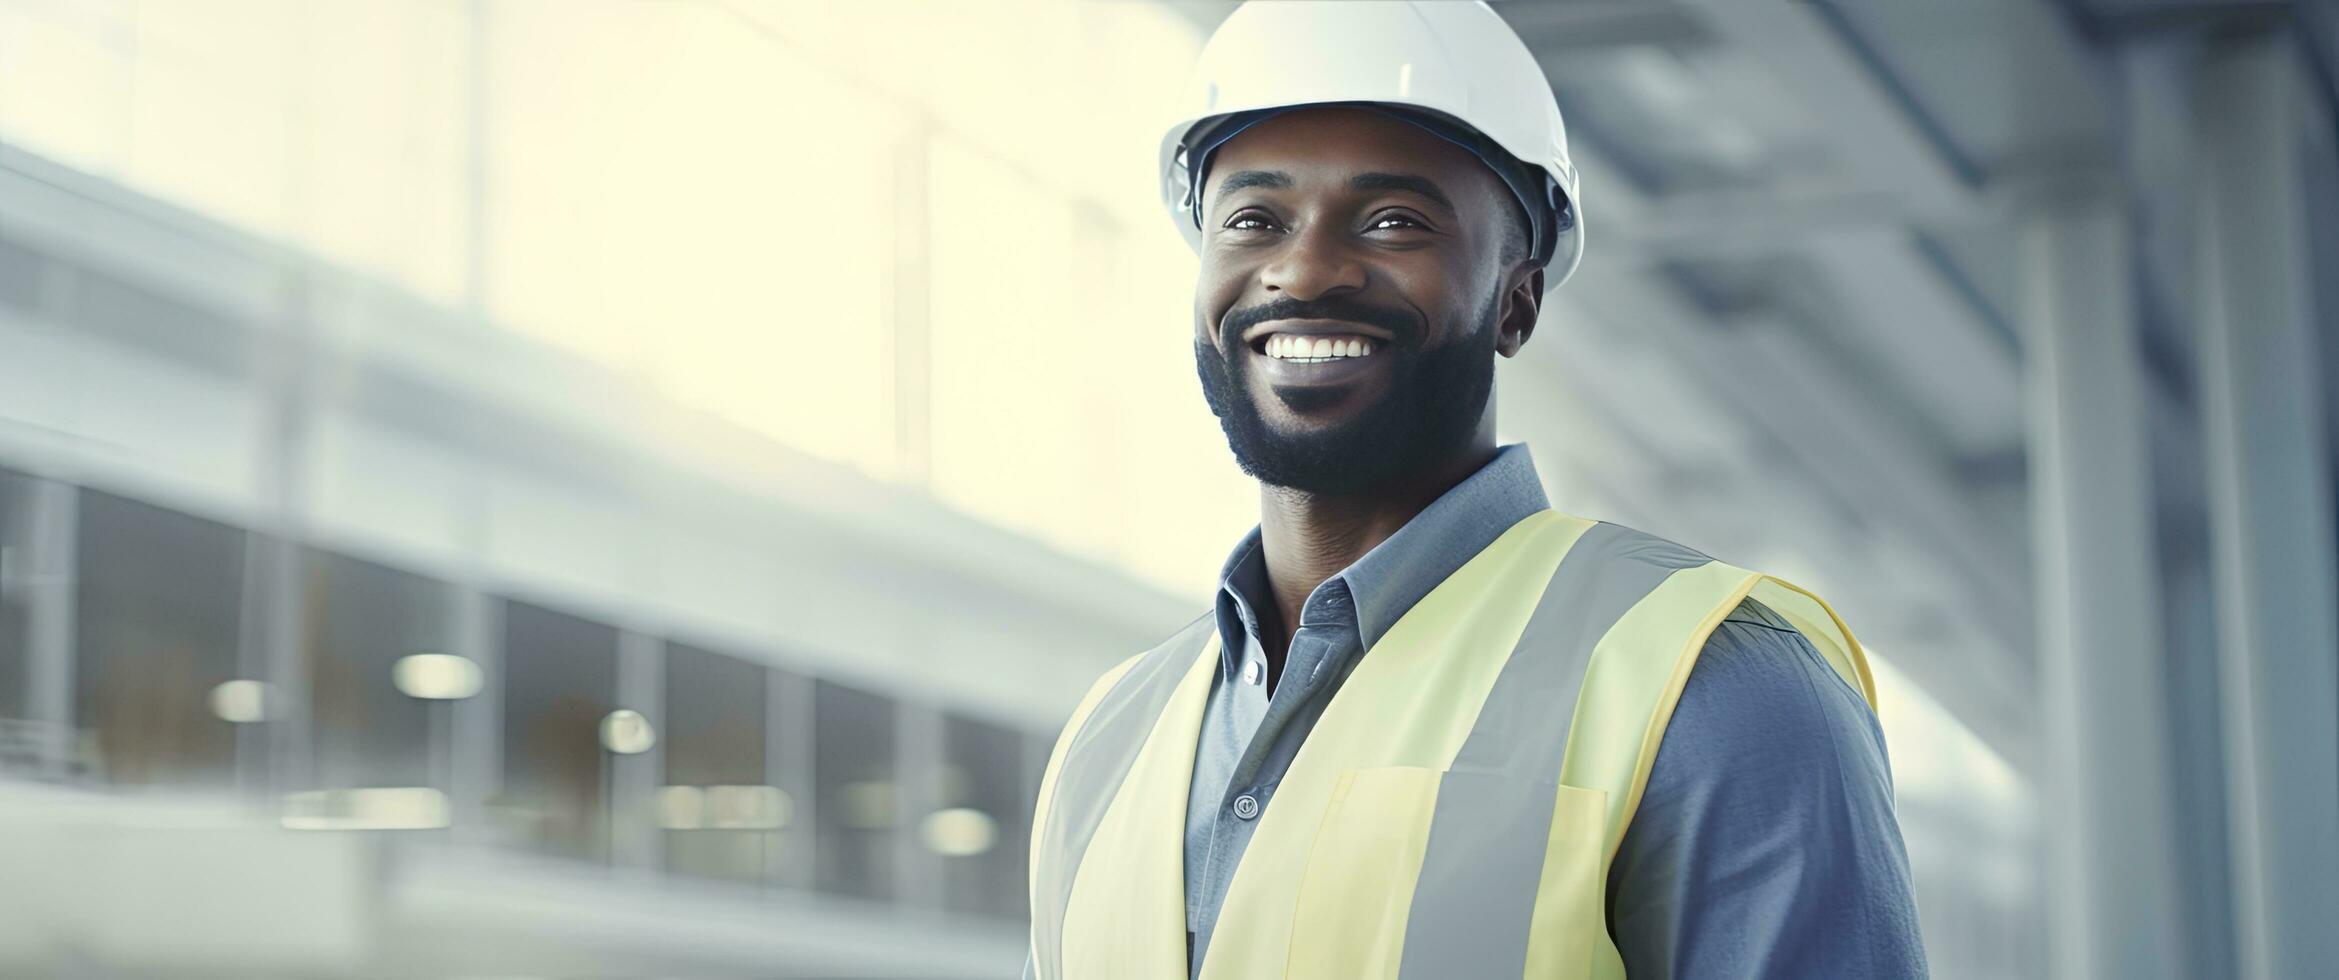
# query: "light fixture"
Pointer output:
{"type": "Point", "coordinates": [724, 807]}
{"type": "Point", "coordinates": [372, 808]}
{"type": "Point", "coordinates": [959, 831]}
{"type": "Point", "coordinates": [625, 732]}
{"type": "Point", "coordinates": [240, 701]}
{"type": "Point", "coordinates": [681, 807]}
{"type": "Point", "coordinates": [748, 808]}
{"type": "Point", "coordinates": [437, 676]}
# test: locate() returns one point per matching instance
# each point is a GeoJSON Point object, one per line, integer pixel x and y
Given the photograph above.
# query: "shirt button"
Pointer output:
{"type": "Point", "coordinates": [1246, 806]}
{"type": "Point", "coordinates": [1251, 672]}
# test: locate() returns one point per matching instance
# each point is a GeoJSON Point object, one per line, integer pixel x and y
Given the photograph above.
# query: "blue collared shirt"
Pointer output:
{"type": "Point", "coordinates": [1765, 843]}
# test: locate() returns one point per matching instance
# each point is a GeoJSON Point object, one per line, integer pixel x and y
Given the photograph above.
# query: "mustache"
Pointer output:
{"type": "Point", "coordinates": [1401, 325]}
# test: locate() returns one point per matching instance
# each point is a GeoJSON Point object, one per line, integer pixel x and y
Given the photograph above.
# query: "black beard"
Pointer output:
{"type": "Point", "coordinates": [1431, 409]}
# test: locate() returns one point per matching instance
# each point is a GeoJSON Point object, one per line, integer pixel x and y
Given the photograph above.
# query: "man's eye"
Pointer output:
{"type": "Point", "coordinates": [1249, 221]}
{"type": "Point", "coordinates": [1389, 222]}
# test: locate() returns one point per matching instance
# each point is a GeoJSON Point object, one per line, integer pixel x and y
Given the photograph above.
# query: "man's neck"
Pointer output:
{"type": "Point", "coordinates": [1306, 538]}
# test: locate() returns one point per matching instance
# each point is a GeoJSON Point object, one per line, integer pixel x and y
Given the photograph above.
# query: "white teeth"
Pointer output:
{"type": "Point", "coordinates": [1291, 347]}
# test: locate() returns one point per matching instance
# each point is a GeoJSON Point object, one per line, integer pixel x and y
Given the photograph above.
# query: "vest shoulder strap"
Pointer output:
{"type": "Point", "coordinates": [1640, 666]}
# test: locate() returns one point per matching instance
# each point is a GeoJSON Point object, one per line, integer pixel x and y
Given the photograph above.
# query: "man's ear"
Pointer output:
{"type": "Point", "coordinates": [1522, 302]}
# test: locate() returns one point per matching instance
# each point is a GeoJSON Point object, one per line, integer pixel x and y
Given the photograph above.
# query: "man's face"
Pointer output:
{"type": "Point", "coordinates": [1358, 275]}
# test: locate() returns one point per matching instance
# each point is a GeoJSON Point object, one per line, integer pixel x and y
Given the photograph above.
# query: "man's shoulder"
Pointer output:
{"type": "Point", "coordinates": [1770, 802]}
{"type": "Point", "coordinates": [1760, 691]}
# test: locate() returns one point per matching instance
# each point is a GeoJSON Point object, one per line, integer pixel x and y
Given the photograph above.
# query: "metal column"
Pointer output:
{"type": "Point", "coordinates": [50, 579]}
{"type": "Point", "coordinates": [273, 758]}
{"type": "Point", "coordinates": [2269, 491]}
{"type": "Point", "coordinates": [635, 840]}
{"type": "Point", "coordinates": [788, 761]}
{"type": "Point", "coordinates": [918, 754]}
{"type": "Point", "coordinates": [2109, 810]}
{"type": "Point", "coordinates": [475, 724]}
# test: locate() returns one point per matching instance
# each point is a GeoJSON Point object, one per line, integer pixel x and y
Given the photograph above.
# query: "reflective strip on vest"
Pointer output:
{"type": "Point", "coordinates": [1453, 811]}
{"type": "Point", "coordinates": [1474, 902]}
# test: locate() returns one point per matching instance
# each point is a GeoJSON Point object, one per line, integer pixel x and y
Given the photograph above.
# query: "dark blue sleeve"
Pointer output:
{"type": "Point", "coordinates": [1765, 843]}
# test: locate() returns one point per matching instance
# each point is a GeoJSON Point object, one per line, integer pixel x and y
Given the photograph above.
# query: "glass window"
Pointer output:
{"type": "Point", "coordinates": [560, 680]}
{"type": "Point", "coordinates": [52, 51]}
{"type": "Point", "coordinates": [721, 813]}
{"type": "Point", "coordinates": [209, 121]}
{"type": "Point", "coordinates": [982, 829]}
{"type": "Point", "coordinates": [774, 315]}
{"type": "Point", "coordinates": [342, 125]}
{"type": "Point", "coordinates": [382, 138]}
{"type": "Point", "coordinates": [156, 688]}
{"type": "Point", "coordinates": [368, 732]}
{"type": "Point", "coordinates": [1142, 441]}
{"type": "Point", "coordinates": [854, 785]}
{"type": "Point", "coordinates": [1000, 237]}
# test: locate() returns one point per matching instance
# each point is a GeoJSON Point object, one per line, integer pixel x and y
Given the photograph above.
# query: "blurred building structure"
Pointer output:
{"type": "Point", "coordinates": [620, 488]}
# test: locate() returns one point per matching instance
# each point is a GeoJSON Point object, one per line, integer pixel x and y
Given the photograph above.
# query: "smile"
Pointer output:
{"type": "Point", "coordinates": [1314, 349]}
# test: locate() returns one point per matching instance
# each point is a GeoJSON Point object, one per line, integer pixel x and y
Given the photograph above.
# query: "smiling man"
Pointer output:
{"type": "Point", "coordinates": [1433, 728]}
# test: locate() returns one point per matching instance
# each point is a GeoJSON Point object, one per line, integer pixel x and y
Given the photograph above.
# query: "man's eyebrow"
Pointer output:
{"type": "Point", "coordinates": [1423, 186]}
{"type": "Point", "coordinates": [1252, 178]}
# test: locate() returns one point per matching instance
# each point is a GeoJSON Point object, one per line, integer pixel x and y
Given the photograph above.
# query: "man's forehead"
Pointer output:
{"type": "Point", "coordinates": [1336, 141]}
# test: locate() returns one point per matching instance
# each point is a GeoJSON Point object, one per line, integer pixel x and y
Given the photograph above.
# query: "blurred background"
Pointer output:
{"type": "Point", "coordinates": [626, 488]}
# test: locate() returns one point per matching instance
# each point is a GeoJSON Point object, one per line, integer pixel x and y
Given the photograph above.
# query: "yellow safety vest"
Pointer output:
{"type": "Point", "coordinates": [1455, 808]}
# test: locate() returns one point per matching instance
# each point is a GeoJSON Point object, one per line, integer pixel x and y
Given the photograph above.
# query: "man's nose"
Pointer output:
{"type": "Point", "coordinates": [1317, 261]}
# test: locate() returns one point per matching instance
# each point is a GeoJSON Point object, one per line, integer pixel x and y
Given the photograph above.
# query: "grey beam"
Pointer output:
{"type": "Point", "coordinates": [1550, 27]}
{"type": "Point", "coordinates": [2108, 807]}
{"type": "Point", "coordinates": [2269, 507]}
{"type": "Point", "coordinates": [1801, 45]}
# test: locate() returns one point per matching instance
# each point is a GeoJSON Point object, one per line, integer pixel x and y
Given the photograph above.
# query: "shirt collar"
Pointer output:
{"type": "Point", "coordinates": [1242, 585]}
{"type": "Point", "coordinates": [1382, 586]}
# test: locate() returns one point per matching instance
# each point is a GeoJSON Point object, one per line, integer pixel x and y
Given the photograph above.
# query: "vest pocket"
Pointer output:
{"type": "Point", "coordinates": [1349, 923]}
{"type": "Point", "coordinates": [1514, 886]}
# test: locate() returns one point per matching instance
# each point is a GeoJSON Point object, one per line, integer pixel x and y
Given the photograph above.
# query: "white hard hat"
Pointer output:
{"type": "Point", "coordinates": [1453, 68]}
